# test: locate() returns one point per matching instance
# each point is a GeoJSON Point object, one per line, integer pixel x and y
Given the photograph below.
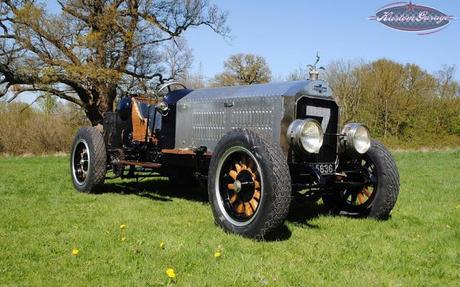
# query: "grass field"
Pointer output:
{"type": "Point", "coordinates": [43, 218]}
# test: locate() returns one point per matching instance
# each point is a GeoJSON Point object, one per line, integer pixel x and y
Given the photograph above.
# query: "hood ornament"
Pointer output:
{"type": "Point", "coordinates": [313, 71]}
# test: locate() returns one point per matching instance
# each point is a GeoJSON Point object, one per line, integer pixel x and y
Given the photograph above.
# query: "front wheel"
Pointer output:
{"type": "Point", "coordinates": [88, 162]}
{"type": "Point", "coordinates": [376, 196]}
{"type": "Point", "coordinates": [249, 184]}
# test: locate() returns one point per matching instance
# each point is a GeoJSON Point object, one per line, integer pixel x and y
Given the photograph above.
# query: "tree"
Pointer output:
{"type": "Point", "coordinates": [93, 50]}
{"type": "Point", "coordinates": [298, 74]}
{"type": "Point", "coordinates": [396, 101]}
{"type": "Point", "coordinates": [447, 87]}
{"type": "Point", "coordinates": [48, 104]}
{"type": "Point", "coordinates": [244, 69]}
{"type": "Point", "coordinates": [195, 80]}
{"type": "Point", "coordinates": [178, 59]}
{"type": "Point", "coordinates": [345, 80]}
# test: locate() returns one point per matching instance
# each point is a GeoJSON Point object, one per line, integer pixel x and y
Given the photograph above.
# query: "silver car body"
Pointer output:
{"type": "Point", "coordinates": [204, 116]}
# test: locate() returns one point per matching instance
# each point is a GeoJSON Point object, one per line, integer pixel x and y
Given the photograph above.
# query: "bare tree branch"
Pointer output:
{"type": "Point", "coordinates": [96, 49]}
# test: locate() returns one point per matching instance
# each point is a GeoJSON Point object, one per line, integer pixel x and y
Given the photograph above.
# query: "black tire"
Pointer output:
{"type": "Point", "coordinates": [385, 187]}
{"type": "Point", "coordinates": [264, 167]}
{"type": "Point", "coordinates": [88, 160]}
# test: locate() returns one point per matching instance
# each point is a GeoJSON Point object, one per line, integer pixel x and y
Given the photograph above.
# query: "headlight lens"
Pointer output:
{"type": "Point", "coordinates": [362, 140]}
{"type": "Point", "coordinates": [357, 137]}
{"type": "Point", "coordinates": [306, 134]}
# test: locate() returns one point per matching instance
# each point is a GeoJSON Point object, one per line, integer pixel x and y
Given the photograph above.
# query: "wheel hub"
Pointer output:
{"type": "Point", "coordinates": [244, 187]}
{"type": "Point", "coordinates": [237, 186]}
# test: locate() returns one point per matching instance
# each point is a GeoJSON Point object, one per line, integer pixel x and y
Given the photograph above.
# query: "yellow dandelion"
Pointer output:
{"type": "Point", "coordinates": [218, 252]}
{"type": "Point", "coordinates": [162, 244]}
{"type": "Point", "coordinates": [458, 206]}
{"type": "Point", "coordinates": [170, 273]}
{"type": "Point", "coordinates": [75, 251]}
{"type": "Point", "coordinates": [123, 226]}
{"type": "Point", "coordinates": [123, 238]}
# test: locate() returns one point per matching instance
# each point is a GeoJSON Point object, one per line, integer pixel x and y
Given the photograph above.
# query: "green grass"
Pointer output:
{"type": "Point", "coordinates": [43, 218]}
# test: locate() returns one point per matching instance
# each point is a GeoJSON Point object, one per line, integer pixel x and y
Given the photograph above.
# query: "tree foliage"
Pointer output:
{"type": "Point", "coordinates": [244, 69]}
{"type": "Point", "coordinates": [400, 103]}
{"type": "Point", "coordinates": [93, 50]}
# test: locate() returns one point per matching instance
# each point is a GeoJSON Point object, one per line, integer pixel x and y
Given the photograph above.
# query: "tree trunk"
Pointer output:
{"type": "Point", "coordinates": [103, 100]}
{"type": "Point", "coordinates": [93, 114]}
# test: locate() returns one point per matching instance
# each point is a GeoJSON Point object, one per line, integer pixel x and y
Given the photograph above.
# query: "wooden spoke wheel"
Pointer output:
{"type": "Point", "coordinates": [249, 184]}
{"type": "Point", "coordinates": [362, 197]}
{"type": "Point", "coordinates": [240, 185]}
{"type": "Point", "coordinates": [372, 184]}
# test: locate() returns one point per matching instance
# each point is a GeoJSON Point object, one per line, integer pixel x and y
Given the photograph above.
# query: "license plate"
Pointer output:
{"type": "Point", "coordinates": [325, 168]}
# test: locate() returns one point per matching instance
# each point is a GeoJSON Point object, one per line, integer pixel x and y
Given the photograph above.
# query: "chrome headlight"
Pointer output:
{"type": "Point", "coordinates": [305, 134]}
{"type": "Point", "coordinates": [357, 137]}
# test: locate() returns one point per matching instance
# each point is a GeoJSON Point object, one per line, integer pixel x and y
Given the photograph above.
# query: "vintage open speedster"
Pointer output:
{"type": "Point", "coordinates": [254, 146]}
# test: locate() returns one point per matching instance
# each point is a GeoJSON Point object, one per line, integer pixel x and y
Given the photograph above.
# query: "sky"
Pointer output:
{"type": "Point", "coordinates": [289, 33]}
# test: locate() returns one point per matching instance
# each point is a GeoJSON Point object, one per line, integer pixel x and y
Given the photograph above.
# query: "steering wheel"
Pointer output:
{"type": "Point", "coordinates": [168, 85]}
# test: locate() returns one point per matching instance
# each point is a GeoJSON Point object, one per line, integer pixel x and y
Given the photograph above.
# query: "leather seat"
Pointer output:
{"type": "Point", "coordinates": [139, 115]}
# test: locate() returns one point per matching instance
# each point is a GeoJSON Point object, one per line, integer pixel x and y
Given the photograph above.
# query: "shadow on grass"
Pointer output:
{"type": "Point", "coordinates": [303, 210]}
{"type": "Point", "coordinates": [300, 213]}
{"type": "Point", "coordinates": [154, 189]}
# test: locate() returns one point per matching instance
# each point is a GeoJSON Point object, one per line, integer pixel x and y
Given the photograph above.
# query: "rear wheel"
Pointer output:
{"type": "Point", "coordinates": [88, 160]}
{"type": "Point", "coordinates": [377, 187]}
{"type": "Point", "coordinates": [249, 184]}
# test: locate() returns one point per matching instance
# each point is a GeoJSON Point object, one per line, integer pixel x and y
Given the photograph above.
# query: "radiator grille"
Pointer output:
{"type": "Point", "coordinates": [315, 108]}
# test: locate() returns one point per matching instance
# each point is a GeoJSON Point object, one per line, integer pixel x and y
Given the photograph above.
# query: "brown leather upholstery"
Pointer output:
{"type": "Point", "coordinates": [139, 122]}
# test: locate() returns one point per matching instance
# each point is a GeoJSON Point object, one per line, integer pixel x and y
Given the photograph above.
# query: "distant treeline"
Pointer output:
{"type": "Point", "coordinates": [403, 105]}
{"type": "Point", "coordinates": [47, 128]}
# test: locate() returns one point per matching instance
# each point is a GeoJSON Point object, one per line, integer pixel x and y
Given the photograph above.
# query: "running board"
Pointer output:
{"type": "Point", "coordinates": [138, 163]}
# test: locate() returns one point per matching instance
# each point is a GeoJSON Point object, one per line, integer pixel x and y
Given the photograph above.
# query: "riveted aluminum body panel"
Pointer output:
{"type": "Point", "coordinates": [204, 116]}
